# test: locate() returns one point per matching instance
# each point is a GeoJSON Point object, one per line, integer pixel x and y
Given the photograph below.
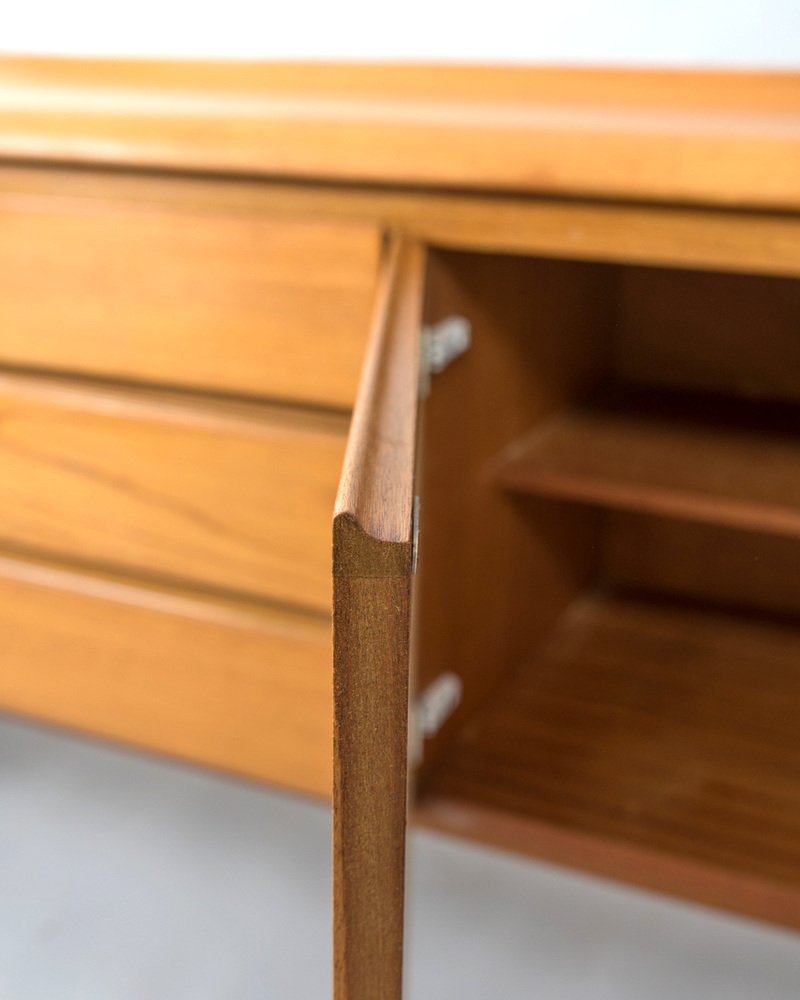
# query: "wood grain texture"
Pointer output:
{"type": "Point", "coordinates": [539, 340]}
{"type": "Point", "coordinates": [731, 334]}
{"type": "Point", "coordinates": [226, 495]}
{"type": "Point", "coordinates": [207, 299]}
{"type": "Point", "coordinates": [235, 686]}
{"type": "Point", "coordinates": [372, 564]}
{"type": "Point", "coordinates": [756, 242]}
{"type": "Point", "coordinates": [724, 138]}
{"type": "Point", "coordinates": [671, 874]}
{"type": "Point", "coordinates": [733, 465]}
{"type": "Point", "coordinates": [662, 730]}
{"type": "Point", "coordinates": [702, 562]}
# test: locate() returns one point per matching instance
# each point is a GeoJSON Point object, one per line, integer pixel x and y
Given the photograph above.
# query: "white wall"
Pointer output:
{"type": "Point", "coordinates": [672, 32]}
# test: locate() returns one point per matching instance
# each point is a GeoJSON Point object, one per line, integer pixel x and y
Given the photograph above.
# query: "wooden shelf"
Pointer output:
{"type": "Point", "coordinates": [650, 742]}
{"type": "Point", "coordinates": [733, 464]}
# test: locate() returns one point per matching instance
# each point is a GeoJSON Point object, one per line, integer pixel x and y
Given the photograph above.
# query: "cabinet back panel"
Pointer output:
{"type": "Point", "coordinates": [726, 333]}
{"type": "Point", "coordinates": [703, 562]}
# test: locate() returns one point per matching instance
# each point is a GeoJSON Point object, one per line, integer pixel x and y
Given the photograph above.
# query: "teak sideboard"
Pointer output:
{"type": "Point", "coordinates": [541, 329]}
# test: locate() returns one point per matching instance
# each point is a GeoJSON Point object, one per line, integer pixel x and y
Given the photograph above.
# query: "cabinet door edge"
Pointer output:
{"type": "Point", "coordinates": [372, 569]}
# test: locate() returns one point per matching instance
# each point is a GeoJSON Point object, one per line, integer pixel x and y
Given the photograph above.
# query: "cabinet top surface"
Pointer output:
{"type": "Point", "coordinates": [719, 138]}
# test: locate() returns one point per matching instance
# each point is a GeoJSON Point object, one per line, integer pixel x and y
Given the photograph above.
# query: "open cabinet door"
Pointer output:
{"type": "Point", "coordinates": [373, 554]}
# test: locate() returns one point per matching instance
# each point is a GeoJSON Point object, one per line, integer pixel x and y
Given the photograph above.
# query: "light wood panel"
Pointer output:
{"type": "Point", "coordinates": [372, 567]}
{"type": "Point", "coordinates": [227, 495]}
{"type": "Point", "coordinates": [683, 237]}
{"type": "Point", "coordinates": [724, 138]}
{"type": "Point", "coordinates": [651, 743]}
{"type": "Point", "coordinates": [233, 686]}
{"type": "Point", "coordinates": [728, 464]}
{"type": "Point", "coordinates": [255, 305]}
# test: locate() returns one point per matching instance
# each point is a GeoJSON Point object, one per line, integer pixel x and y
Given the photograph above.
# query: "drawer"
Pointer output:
{"type": "Point", "coordinates": [236, 303]}
{"type": "Point", "coordinates": [228, 495]}
{"type": "Point", "coordinates": [222, 684]}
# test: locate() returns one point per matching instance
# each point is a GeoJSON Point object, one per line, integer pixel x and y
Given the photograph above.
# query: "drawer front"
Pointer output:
{"type": "Point", "coordinates": [230, 496]}
{"type": "Point", "coordinates": [219, 684]}
{"type": "Point", "coordinates": [239, 303]}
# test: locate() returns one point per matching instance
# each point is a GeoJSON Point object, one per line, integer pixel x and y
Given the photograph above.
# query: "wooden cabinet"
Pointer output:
{"type": "Point", "coordinates": [637, 521]}
{"type": "Point", "coordinates": [607, 568]}
{"type": "Point", "coordinates": [565, 563]}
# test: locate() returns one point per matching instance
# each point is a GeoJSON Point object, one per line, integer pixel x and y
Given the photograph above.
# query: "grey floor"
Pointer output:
{"type": "Point", "coordinates": [126, 878]}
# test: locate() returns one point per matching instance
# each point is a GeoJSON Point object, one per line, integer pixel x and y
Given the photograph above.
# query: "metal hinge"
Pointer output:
{"type": "Point", "coordinates": [441, 344]}
{"type": "Point", "coordinates": [432, 709]}
{"type": "Point", "coordinates": [415, 535]}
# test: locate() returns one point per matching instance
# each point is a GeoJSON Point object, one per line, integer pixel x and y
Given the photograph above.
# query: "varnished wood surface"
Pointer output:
{"type": "Point", "coordinates": [709, 331]}
{"type": "Point", "coordinates": [700, 561]}
{"type": "Point", "coordinates": [202, 298]}
{"type": "Point", "coordinates": [228, 495]}
{"type": "Point", "coordinates": [662, 872]}
{"type": "Point", "coordinates": [539, 337]}
{"type": "Point", "coordinates": [756, 242]}
{"type": "Point", "coordinates": [229, 685]}
{"type": "Point", "coordinates": [666, 730]}
{"type": "Point", "coordinates": [734, 465]}
{"type": "Point", "coordinates": [724, 138]}
{"type": "Point", "coordinates": [372, 563]}
{"type": "Point", "coordinates": [375, 498]}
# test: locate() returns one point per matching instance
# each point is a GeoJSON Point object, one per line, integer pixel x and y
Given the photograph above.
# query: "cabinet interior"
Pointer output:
{"type": "Point", "coordinates": [610, 561]}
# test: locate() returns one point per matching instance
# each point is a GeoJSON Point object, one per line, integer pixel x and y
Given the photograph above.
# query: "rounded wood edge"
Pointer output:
{"type": "Point", "coordinates": [722, 138]}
